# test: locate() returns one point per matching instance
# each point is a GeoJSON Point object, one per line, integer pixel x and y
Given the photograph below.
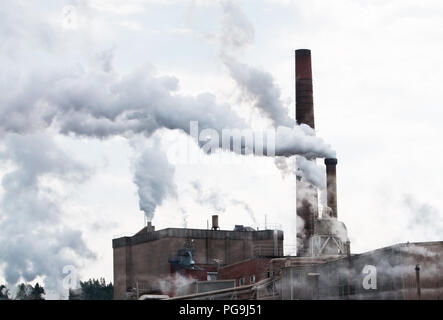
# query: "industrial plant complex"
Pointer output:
{"type": "Point", "coordinates": [247, 263]}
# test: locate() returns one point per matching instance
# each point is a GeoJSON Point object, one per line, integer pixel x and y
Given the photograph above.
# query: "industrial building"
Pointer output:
{"type": "Point", "coordinates": [145, 259]}
{"type": "Point", "coordinates": [250, 264]}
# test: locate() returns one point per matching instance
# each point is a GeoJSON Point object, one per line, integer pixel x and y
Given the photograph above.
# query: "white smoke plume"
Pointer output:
{"type": "Point", "coordinates": [259, 87]}
{"type": "Point", "coordinates": [311, 172]}
{"type": "Point", "coordinates": [185, 217]}
{"type": "Point", "coordinates": [247, 208]}
{"type": "Point", "coordinates": [423, 218]}
{"type": "Point", "coordinates": [72, 98]}
{"type": "Point", "coordinates": [215, 200]}
{"type": "Point", "coordinates": [154, 177]}
{"type": "Point", "coordinates": [35, 242]}
{"type": "Point", "coordinates": [176, 284]}
{"type": "Point", "coordinates": [237, 31]}
{"type": "Point", "coordinates": [219, 201]}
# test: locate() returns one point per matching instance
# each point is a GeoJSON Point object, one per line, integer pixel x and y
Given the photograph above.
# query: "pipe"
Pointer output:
{"type": "Point", "coordinates": [331, 185]}
{"type": "Point", "coordinates": [276, 243]}
{"type": "Point", "coordinates": [417, 277]}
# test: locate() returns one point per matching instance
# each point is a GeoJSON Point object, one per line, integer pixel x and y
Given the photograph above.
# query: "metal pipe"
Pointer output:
{"type": "Point", "coordinates": [417, 277]}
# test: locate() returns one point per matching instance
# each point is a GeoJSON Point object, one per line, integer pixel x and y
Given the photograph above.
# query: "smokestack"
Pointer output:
{"type": "Point", "coordinates": [304, 101]}
{"type": "Point", "coordinates": [306, 193]}
{"type": "Point", "coordinates": [150, 227]}
{"type": "Point", "coordinates": [215, 222]}
{"type": "Point", "coordinates": [331, 185]}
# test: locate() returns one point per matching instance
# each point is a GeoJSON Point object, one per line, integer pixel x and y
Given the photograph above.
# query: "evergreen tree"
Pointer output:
{"type": "Point", "coordinates": [96, 289]}
{"type": "Point", "coordinates": [37, 292]}
{"type": "Point", "coordinates": [28, 292]}
{"type": "Point", "coordinates": [4, 292]}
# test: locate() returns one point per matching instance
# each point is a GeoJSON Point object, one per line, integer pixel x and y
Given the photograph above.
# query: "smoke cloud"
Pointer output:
{"type": "Point", "coordinates": [237, 32]}
{"type": "Point", "coordinates": [154, 177]}
{"type": "Point", "coordinates": [73, 98]}
{"type": "Point", "coordinates": [260, 87]}
{"type": "Point", "coordinates": [424, 218]}
{"type": "Point", "coordinates": [35, 240]}
{"type": "Point", "coordinates": [219, 201]}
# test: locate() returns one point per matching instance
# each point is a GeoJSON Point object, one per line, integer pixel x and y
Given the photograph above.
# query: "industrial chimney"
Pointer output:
{"type": "Point", "coordinates": [306, 193]}
{"type": "Point", "coordinates": [150, 227]}
{"type": "Point", "coordinates": [304, 100]}
{"type": "Point", "coordinates": [215, 222]}
{"type": "Point", "coordinates": [331, 185]}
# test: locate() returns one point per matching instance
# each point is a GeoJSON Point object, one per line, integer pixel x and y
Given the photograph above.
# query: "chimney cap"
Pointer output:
{"type": "Point", "coordinates": [303, 51]}
{"type": "Point", "coordinates": [330, 161]}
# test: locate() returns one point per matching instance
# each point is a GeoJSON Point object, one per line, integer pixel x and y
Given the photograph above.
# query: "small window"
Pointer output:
{"type": "Point", "coordinates": [252, 279]}
{"type": "Point", "coordinates": [211, 276]}
{"type": "Point", "coordinates": [241, 282]}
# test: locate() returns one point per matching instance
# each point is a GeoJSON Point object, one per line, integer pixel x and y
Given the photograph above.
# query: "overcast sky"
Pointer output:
{"type": "Point", "coordinates": [92, 98]}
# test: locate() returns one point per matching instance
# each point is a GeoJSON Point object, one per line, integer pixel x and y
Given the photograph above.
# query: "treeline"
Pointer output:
{"type": "Point", "coordinates": [24, 292]}
{"type": "Point", "coordinates": [93, 289]}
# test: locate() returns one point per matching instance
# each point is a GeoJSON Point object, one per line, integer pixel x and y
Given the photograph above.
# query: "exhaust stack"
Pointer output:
{"type": "Point", "coordinates": [304, 99]}
{"type": "Point", "coordinates": [150, 227]}
{"type": "Point", "coordinates": [215, 222]}
{"type": "Point", "coordinates": [331, 185]}
{"type": "Point", "coordinates": [306, 193]}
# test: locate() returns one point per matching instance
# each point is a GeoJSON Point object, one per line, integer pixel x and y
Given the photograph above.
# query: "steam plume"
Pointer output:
{"type": "Point", "coordinates": [35, 241]}
{"type": "Point", "coordinates": [154, 177]}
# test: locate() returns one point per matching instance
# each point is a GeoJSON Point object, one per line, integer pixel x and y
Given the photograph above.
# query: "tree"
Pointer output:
{"type": "Point", "coordinates": [38, 292]}
{"type": "Point", "coordinates": [94, 289]}
{"type": "Point", "coordinates": [4, 292]}
{"type": "Point", "coordinates": [28, 292]}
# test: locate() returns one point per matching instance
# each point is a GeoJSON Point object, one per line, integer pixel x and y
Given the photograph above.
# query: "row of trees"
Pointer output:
{"type": "Point", "coordinates": [24, 292]}
{"type": "Point", "coordinates": [93, 289]}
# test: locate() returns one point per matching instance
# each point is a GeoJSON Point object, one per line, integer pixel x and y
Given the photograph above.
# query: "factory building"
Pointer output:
{"type": "Point", "coordinates": [250, 264]}
{"type": "Point", "coordinates": [143, 261]}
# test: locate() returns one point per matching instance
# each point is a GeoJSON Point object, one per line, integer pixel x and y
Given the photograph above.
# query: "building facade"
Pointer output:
{"type": "Point", "coordinates": [144, 259]}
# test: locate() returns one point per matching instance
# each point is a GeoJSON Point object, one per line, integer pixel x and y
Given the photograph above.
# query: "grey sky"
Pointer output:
{"type": "Point", "coordinates": [377, 69]}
